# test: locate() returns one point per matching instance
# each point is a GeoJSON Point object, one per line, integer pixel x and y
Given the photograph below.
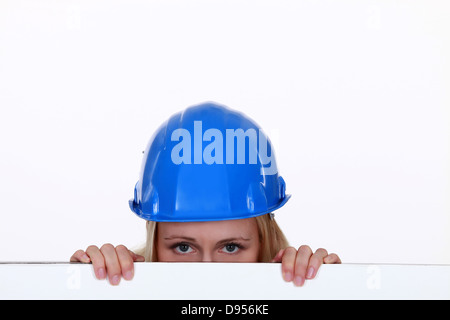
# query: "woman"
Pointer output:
{"type": "Point", "coordinates": [208, 202]}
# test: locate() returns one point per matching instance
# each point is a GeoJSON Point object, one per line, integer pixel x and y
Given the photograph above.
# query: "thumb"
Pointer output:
{"type": "Point", "coordinates": [137, 257]}
{"type": "Point", "coordinates": [278, 256]}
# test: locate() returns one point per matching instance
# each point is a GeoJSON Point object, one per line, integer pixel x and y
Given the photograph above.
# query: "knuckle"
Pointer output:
{"type": "Point", "coordinates": [289, 253]}
{"type": "Point", "coordinates": [304, 249]}
{"type": "Point", "coordinates": [322, 251]}
{"type": "Point", "coordinates": [78, 252]}
{"type": "Point", "coordinates": [124, 254]}
{"type": "Point", "coordinates": [77, 255]}
{"type": "Point", "coordinates": [91, 248]}
{"type": "Point", "coordinates": [121, 247]}
{"type": "Point", "coordinates": [333, 258]}
{"type": "Point", "coordinates": [288, 259]}
{"type": "Point", "coordinates": [106, 246]}
{"type": "Point", "coordinates": [315, 260]}
{"type": "Point", "coordinates": [290, 249]}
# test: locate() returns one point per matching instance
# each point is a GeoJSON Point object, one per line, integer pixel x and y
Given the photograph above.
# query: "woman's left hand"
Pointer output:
{"type": "Point", "coordinates": [297, 266]}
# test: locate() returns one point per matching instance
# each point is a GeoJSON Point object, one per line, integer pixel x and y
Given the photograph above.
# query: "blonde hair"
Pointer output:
{"type": "Point", "coordinates": [271, 239]}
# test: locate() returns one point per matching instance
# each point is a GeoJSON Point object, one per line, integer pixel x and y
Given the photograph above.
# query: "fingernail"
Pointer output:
{"type": "Point", "coordinates": [299, 281]}
{"type": "Point", "coordinates": [85, 258]}
{"type": "Point", "coordinates": [101, 274]}
{"type": "Point", "coordinates": [115, 280]}
{"type": "Point", "coordinates": [310, 273]}
{"type": "Point", "coordinates": [128, 275]}
{"type": "Point", "coordinates": [287, 276]}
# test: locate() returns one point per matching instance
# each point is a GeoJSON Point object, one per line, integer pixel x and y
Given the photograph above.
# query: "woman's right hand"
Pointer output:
{"type": "Point", "coordinates": [109, 260]}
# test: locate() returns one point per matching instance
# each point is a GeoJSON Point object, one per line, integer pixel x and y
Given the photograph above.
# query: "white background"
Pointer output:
{"type": "Point", "coordinates": [354, 95]}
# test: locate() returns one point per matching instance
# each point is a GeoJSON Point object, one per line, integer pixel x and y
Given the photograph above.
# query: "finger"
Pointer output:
{"type": "Point", "coordinates": [112, 263]}
{"type": "Point", "coordinates": [98, 262]}
{"type": "Point", "coordinates": [315, 262]}
{"type": "Point", "coordinates": [332, 259]}
{"type": "Point", "coordinates": [278, 256]}
{"type": "Point", "coordinates": [288, 263]}
{"type": "Point", "coordinates": [80, 256]}
{"type": "Point", "coordinates": [125, 261]}
{"type": "Point", "coordinates": [301, 263]}
{"type": "Point", "coordinates": [137, 257]}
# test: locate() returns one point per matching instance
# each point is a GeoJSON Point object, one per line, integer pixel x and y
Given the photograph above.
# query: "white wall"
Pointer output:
{"type": "Point", "coordinates": [353, 93]}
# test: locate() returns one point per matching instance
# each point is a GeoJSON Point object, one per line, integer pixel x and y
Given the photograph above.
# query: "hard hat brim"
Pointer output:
{"type": "Point", "coordinates": [157, 218]}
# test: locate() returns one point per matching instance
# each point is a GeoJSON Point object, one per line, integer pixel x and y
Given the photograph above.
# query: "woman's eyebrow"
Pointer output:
{"type": "Point", "coordinates": [179, 237]}
{"type": "Point", "coordinates": [224, 241]}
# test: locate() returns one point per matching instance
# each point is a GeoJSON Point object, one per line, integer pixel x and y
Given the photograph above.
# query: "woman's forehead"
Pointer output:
{"type": "Point", "coordinates": [226, 228]}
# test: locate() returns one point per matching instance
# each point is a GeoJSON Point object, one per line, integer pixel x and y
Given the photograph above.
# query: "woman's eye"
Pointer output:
{"type": "Point", "coordinates": [231, 248]}
{"type": "Point", "coordinates": [183, 248]}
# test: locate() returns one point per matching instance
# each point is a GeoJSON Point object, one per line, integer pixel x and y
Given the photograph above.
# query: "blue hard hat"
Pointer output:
{"type": "Point", "coordinates": [208, 163]}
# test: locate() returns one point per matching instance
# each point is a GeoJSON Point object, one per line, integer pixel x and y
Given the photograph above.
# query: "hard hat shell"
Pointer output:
{"type": "Point", "coordinates": [190, 187]}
